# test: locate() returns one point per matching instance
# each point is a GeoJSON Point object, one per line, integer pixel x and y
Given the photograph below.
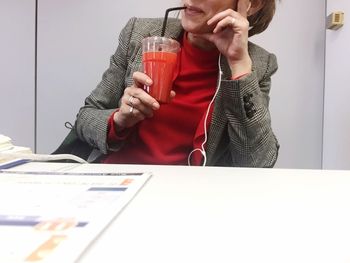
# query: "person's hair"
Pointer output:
{"type": "Point", "coordinates": [261, 19]}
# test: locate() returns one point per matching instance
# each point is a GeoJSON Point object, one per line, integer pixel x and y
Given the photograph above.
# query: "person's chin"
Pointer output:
{"type": "Point", "coordinates": [195, 28]}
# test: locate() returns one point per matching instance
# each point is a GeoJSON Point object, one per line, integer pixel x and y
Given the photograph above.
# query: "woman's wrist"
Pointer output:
{"type": "Point", "coordinates": [240, 68]}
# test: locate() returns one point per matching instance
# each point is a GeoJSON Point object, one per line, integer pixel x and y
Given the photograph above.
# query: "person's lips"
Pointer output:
{"type": "Point", "coordinates": [192, 10]}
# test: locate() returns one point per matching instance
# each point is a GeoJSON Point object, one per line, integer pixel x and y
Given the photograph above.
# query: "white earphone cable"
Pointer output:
{"type": "Point", "coordinates": [202, 150]}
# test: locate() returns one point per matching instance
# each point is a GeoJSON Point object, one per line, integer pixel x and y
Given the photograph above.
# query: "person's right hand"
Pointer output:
{"type": "Point", "coordinates": [136, 104]}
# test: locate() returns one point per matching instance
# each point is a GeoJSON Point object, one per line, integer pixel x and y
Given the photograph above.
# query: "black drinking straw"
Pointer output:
{"type": "Point", "coordinates": [166, 16]}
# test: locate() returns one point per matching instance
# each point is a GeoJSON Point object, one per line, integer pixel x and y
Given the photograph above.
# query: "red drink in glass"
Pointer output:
{"type": "Point", "coordinates": [159, 63]}
{"type": "Point", "coordinates": [160, 67]}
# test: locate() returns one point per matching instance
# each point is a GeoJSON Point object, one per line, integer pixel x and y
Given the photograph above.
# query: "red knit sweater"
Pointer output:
{"type": "Point", "coordinates": [178, 127]}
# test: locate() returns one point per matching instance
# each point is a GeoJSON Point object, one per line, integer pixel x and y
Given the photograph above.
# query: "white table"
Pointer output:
{"type": "Point", "coordinates": [195, 214]}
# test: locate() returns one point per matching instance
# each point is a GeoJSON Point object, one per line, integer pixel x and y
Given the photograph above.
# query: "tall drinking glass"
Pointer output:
{"type": "Point", "coordinates": [159, 58]}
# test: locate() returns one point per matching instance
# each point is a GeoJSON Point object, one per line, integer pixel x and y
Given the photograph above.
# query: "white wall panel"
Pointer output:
{"type": "Point", "coordinates": [17, 52]}
{"type": "Point", "coordinates": [336, 152]}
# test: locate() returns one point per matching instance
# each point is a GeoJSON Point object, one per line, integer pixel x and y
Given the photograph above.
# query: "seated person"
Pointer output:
{"type": "Point", "coordinates": [219, 109]}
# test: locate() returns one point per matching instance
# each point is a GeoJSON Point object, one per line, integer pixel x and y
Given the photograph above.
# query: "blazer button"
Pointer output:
{"type": "Point", "coordinates": [248, 106]}
{"type": "Point", "coordinates": [250, 113]}
{"type": "Point", "coordinates": [246, 98]}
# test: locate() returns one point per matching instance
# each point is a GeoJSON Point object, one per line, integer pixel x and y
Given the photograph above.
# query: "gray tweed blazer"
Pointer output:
{"type": "Point", "coordinates": [240, 132]}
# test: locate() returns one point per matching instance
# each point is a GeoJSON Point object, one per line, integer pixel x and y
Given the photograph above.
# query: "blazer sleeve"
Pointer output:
{"type": "Point", "coordinates": [92, 119]}
{"type": "Point", "coordinates": [252, 142]}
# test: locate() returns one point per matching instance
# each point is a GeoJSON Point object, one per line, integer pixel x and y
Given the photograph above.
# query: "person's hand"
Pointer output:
{"type": "Point", "coordinates": [230, 36]}
{"type": "Point", "coordinates": [136, 104]}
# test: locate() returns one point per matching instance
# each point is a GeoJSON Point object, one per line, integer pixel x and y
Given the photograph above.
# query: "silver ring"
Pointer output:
{"type": "Point", "coordinates": [131, 99]}
{"type": "Point", "coordinates": [131, 109]}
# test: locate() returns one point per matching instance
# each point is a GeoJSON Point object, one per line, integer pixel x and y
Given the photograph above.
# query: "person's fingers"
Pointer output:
{"type": "Point", "coordinates": [128, 116]}
{"type": "Point", "coordinates": [141, 79]}
{"type": "Point", "coordinates": [135, 114]}
{"type": "Point", "coordinates": [142, 96]}
{"type": "Point", "coordinates": [225, 22]}
{"type": "Point", "coordinates": [123, 117]}
{"type": "Point", "coordinates": [219, 16]}
{"type": "Point", "coordinates": [243, 7]}
{"type": "Point", "coordinates": [136, 103]}
{"type": "Point", "coordinates": [227, 18]}
{"type": "Point", "coordinates": [237, 24]}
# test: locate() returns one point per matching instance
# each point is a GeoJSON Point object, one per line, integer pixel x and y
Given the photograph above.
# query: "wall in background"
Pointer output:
{"type": "Point", "coordinates": [336, 151]}
{"type": "Point", "coordinates": [17, 64]}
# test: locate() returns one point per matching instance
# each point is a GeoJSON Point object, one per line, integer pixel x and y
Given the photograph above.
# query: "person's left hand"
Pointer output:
{"type": "Point", "coordinates": [230, 36]}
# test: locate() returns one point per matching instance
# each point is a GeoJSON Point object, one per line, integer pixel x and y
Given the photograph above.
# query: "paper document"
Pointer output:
{"type": "Point", "coordinates": [8, 151]}
{"type": "Point", "coordinates": [53, 218]}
